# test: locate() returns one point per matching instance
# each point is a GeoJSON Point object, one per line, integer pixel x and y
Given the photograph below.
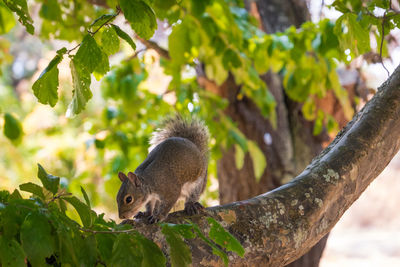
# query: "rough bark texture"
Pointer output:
{"type": "Point", "coordinates": [278, 227]}
{"type": "Point", "coordinates": [293, 144]}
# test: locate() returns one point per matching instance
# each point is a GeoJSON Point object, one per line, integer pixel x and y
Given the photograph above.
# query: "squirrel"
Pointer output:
{"type": "Point", "coordinates": [175, 167]}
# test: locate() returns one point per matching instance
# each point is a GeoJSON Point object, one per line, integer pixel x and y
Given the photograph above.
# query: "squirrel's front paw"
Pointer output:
{"type": "Point", "coordinates": [141, 215]}
{"type": "Point", "coordinates": [192, 208]}
{"type": "Point", "coordinates": [151, 219]}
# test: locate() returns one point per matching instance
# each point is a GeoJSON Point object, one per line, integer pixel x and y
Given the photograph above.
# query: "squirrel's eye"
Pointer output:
{"type": "Point", "coordinates": [128, 199]}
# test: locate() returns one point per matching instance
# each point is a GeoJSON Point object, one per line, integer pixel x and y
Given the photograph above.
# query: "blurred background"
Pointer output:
{"type": "Point", "coordinates": [249, 154]}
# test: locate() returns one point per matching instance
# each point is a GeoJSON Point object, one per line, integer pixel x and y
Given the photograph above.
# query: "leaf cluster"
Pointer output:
{"type": "Point", "coordinates": [39, 230]}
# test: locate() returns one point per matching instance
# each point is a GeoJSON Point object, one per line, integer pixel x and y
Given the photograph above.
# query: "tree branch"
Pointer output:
{"type": "Point", "coordinates": [278, 227]}
{"type": "Point", "coordinates": [153, 45]}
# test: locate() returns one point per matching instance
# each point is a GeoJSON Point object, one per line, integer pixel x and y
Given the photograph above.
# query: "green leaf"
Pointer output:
{"type": "Point", "coordinates": [123, 35]}
{"type": "Point", "coordinates": [15, 195]}
{"type": "Point", "coordinates": [141, 16]}
{"type": "Point", "coordinates": [86, 197]}
{"type": "Point", "coordinates": [32, 188]}
{"type": "Point", "coordinates": [239, 138]}
{"type": "Point", "coordinates": [258, 158]}
{"type": "Point", "coordinates": [152, 254]}
{"type": "Point", "coordinates": [11, 253]}
{"type": "Point", "coordinates": [12, 127]}
{"type": "Point", "coordinates": [125, 252]}
{"type": "Point", "coordinates": [230, 59]}
{"type": "Point", "coordinates": [309, 109]}
{"type": "Point", "coordinates": [50, 182]}
{"type": "Point", "coordinates": [103, 67]}
{"type": "Point", "coordinates": [105, 244]}
{"type": "Point", "coordinates": [50, 10]}
{"type": "Point", "coordinates": [84, 211]}
{"type": "Point", "coordinates": [179, 252]}
{"type": "Point", "coordinates": [179, 44]}
{"type": "Point", "coordinates": [239, 157]}
{"type": "Point", "coordinates": [216, 250]}
{"type": "Point", "coordinates": [352, 35]}
{"type": "Point", "coordinates": [7, 21]}
{"type": "Point", "coordinates": [319, 123]}
{"type": "Point", "coordinates": [87, 250]}
{"type": "Point", "coordinates": [36, 238]}
{"type": "Point", "coordinates": [110, 41]}
{"type": "Point", "coordinates": [46, 86]}
{"type": "Point", "coordinates": [81, 84]}
{"type": "Point", "coordinates": [20, 7]}
{"type": "Point", "coordinates": [88, 54]}
{"type": "Point", "coordinates": [102, 19]}
{"type": "Point", "coordinates": [223, 238]}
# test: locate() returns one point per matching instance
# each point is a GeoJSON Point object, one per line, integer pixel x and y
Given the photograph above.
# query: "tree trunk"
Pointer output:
{"type": "Point", "coordinates": [289, 147]}
{"type": "Point", "coordinates": [278, 227]}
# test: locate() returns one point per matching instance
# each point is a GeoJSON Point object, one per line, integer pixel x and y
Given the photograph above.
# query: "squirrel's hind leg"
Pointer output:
{"type": "Point", "coordinates": [192, 205]}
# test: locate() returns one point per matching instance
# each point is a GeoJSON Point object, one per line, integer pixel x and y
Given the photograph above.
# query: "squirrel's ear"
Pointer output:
{"type": "Point", "coordinates": [122, 176]}
{"type": "Point", "coordinates": [133, 178]}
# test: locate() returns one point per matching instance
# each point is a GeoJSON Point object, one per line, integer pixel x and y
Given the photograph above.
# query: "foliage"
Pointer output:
{"type": "Point", "coordinates": [219, 36]}
{"type": "Point", "coordinates": [40, 230]}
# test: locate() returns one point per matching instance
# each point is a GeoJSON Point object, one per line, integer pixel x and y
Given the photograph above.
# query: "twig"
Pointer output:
{"type": "Point", "coordinates": [382, 39]}
{"type": "Point", "coordinates": [107, 232]}
{"type": "Point", "coordinates": [101, 26]}
{"type": "Point", "coordinates": [153, 45]}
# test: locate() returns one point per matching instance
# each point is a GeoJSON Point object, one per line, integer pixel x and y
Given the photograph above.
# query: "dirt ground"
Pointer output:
{"type": "Point", "coordinates": [369, 232]}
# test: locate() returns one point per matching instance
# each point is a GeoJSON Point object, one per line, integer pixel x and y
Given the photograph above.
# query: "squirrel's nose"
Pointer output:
{"type": "Point", "coordinates": [121, 216]}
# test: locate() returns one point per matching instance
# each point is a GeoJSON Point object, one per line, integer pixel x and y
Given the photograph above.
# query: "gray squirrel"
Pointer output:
{"type": "Point", "coordinates": [176, 167]}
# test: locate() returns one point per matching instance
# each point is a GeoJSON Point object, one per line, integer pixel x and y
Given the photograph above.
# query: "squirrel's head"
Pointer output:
{"type": "Point", "coordinates": [130, 197]}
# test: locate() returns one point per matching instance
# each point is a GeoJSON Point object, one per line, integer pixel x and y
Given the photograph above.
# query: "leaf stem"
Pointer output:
{"type": "Point", "coordinates": [107, 232]}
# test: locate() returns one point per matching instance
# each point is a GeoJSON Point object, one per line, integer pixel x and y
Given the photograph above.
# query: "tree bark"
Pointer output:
{"type": "Point", "coordinates": [278, 227]}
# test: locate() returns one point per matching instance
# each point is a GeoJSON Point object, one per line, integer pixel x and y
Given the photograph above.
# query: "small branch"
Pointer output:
{"type": "Point", "coordinates": [382, 39]}
{"type": "Point", "coordinates": [107, 232]}
{"type": "Point", "coordinates": [72, 49]}
{"type": "Point", "coordinates": [153, 45]}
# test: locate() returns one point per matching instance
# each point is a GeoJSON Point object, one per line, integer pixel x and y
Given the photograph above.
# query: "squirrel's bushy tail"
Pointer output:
{"type": "Point", "coordinates": [194, 130]}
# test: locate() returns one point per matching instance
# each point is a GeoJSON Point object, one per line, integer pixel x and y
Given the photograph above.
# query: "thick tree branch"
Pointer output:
{"type": "Point", "coordinates": [278, 227]}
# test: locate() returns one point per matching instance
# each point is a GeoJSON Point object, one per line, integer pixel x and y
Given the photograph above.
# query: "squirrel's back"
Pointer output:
{"type": "Point", "coordinates": [194, 130]}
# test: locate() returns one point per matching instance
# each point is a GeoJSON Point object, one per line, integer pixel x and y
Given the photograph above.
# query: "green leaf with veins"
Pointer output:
{"type": "Point", "coordinates": [103, 67]}
{"type": "Point", "coordinates": [124, 36]}
{"type": "Point", "coordinates": [46, 86]}
{"type": "Point", "coordinates": [83, 210]}
{"type": "Point", "coordinates": [141, 16]}
{"type": "Point", "coordinates": [223, 238]}
{"type": "Point", "coordinates": [110, 41]}
{"type": "Point", "coordinates": [88, 54]}
{"type": "Point", "coordinates": [125, 252]}
{"type": "Point", "coordinates": [152, 254]}
{"type": "Point", "coordinates": [81, 84]}
{"type": "Point", "coordinates": [32, 188]}
{"type": "Point", "coordinates": [36, 238]}
{"type": "Point", "coordinates": [20, 7]}
{"type": "Point", "coordinates": [180, 253]}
